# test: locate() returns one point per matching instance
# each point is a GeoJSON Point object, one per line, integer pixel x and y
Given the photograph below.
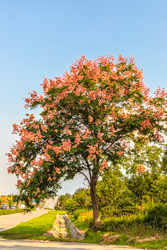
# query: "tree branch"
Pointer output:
{"type": "Point", "coordinates": [85, 177]}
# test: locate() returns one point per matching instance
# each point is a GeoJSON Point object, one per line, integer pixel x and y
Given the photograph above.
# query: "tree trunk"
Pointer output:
{"type": "Point", "coordinates": [96, 215]}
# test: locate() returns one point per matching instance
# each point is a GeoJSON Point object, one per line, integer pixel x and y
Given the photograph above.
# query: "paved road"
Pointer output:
{"type": "Point", "coordinates": [43, 245]}
{"type": "Point", "coordinates": [11, 220]}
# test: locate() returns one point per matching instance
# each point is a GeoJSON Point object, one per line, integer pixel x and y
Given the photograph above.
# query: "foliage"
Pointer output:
{"type": "Point", "coordinates": [153, 216]}
{"type": "Point", "coordinates": [84, 220]}
{"type": "Point", "coordinates": [145, 173]}
{"type": "Point", "coordinates": [82, 198]}
{"type": "Point", "coordinates": [13, 211]}
{"type": "Point", "coordinates": [6, 200]}
{"type": "Point", "coordinates": [89, 117]}
{"type": "Point", "coordinates": [78, 212]}
{"type": "Point", "coordinates": [68, 195]}
{"type": "Point", "coordinates": [109, 211]}
{"type": "Point", "coordinates": [62, 201]}
{"type": "Point", "coordinates": [156, 215]}
{"type": "Point", "coordinates": [111, 188]}
{"type": "Point", "coordinates": [160, 189]}
{"type": "Point", "coordinates": [70, 205]}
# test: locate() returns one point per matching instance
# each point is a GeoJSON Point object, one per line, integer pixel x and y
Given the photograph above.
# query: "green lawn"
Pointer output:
{"type": "Point", "coordinates": [32, 229]}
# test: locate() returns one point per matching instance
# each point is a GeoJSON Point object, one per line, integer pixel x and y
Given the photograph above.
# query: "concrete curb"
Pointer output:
{"type": "Point", "coordinates": [55, 229]}
{"type": "Point", "coordinates": [74, 232]}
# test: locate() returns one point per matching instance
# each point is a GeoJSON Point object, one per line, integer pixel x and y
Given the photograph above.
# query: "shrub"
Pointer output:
{"type": "Point", "coordinates": [123, 221]}
{"type": "Point", "coordinates": [14, 211]}
{"type": "Point", "coordinates": [156, 215]}
{"type": "Point", "coordinates": [85, 221]}
{"type": "Point", "coordinates": [109, 211]}
{"type": "Point", "coordinates": [56, 207]}
{"type": "Point", "coordinates": [70, 205]}
{"type": "Point", "coordinates": [79, 212]}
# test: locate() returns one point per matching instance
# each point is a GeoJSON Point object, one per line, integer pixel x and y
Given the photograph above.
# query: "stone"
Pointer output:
{"type": "Point", "coordinates": [149, 239]}
{"type": "Point", "coordinates": [109, 239]}
{"type": "Point", "coordinates": [48, 234]}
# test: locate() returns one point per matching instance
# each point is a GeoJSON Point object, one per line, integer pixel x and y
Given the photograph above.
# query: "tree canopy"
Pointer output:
{"type": "Point", "coordinates": [89, 117]}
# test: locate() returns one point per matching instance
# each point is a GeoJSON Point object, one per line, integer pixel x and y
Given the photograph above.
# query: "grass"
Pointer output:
{"type": "Point", "coordinates": [32, 229]}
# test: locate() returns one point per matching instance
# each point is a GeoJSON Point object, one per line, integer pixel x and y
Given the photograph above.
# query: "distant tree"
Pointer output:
{"type": "Point", "coordinates": [110, 188]}
{"type": "Point", "coordinates": [62, 200]}
{"type": "Point", "coordinates": [138, 185]}
{"type": "Point", "coordinates": [6, 200]}
{"type": "Point", "coordinates": [144, 168]}
{"type": "Point", "coordinates": [88, 118]}
{"type": "Point", "coordinates": [82, 198]}
{"type": "Point", "coordinates": [71, 205]}
{"type": "Point", "coordinates": [68, 196]}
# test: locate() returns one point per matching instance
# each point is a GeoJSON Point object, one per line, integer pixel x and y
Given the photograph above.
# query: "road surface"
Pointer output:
{"type": "Point", "coordinates": [46, 245]}
{"type": "Point", "coordinates": [11, 220]}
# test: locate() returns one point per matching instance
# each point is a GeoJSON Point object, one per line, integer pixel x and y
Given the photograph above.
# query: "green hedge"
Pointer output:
{"type": "Point", "coordinates": [14, 211]}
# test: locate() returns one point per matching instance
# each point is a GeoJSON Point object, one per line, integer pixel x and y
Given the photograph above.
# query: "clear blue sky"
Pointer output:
{"type": "Point", "coordinates": [42, 37]}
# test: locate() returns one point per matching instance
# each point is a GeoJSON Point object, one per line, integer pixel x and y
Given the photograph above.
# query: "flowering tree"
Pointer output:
{"type": "Point", "coordinates": [88, 118]}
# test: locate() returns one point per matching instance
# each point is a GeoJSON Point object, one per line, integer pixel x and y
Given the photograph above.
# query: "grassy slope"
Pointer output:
{"type": "Point", "coordinates": [32, 229]}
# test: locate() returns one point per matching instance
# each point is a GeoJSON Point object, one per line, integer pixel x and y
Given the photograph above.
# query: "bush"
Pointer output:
{"type": "Point", "coordinates": [85, 220]}
{"type": "Point", "coordinates": [56, 207]}
{"type": "Point", "coordinates": [110, 211]}
{"type": "Point", "coordinates": [130, 210]}
{"type": "Point", "coordinates": [78, 212]}
{"type": "Point", "coordinates": [123, 221]}
{"type": "Point", "coordinates": [125, 203]}
{"type": "Point", "coordinates": [156, 215]}
{"type": "Point", "coordinates": [82, 198]}
{"type": "Point", "coordinates": [70, 205]}
{"type": "Point", "coordinates": [153, 216]}
{"type": "Point", "coordinates": [82, 218]}
{"type": "Point", "coordinates": [14, 211]}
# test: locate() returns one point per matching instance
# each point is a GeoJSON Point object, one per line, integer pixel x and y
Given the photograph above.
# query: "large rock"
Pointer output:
{"type": "Point", "coordinates": [109, 238]}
